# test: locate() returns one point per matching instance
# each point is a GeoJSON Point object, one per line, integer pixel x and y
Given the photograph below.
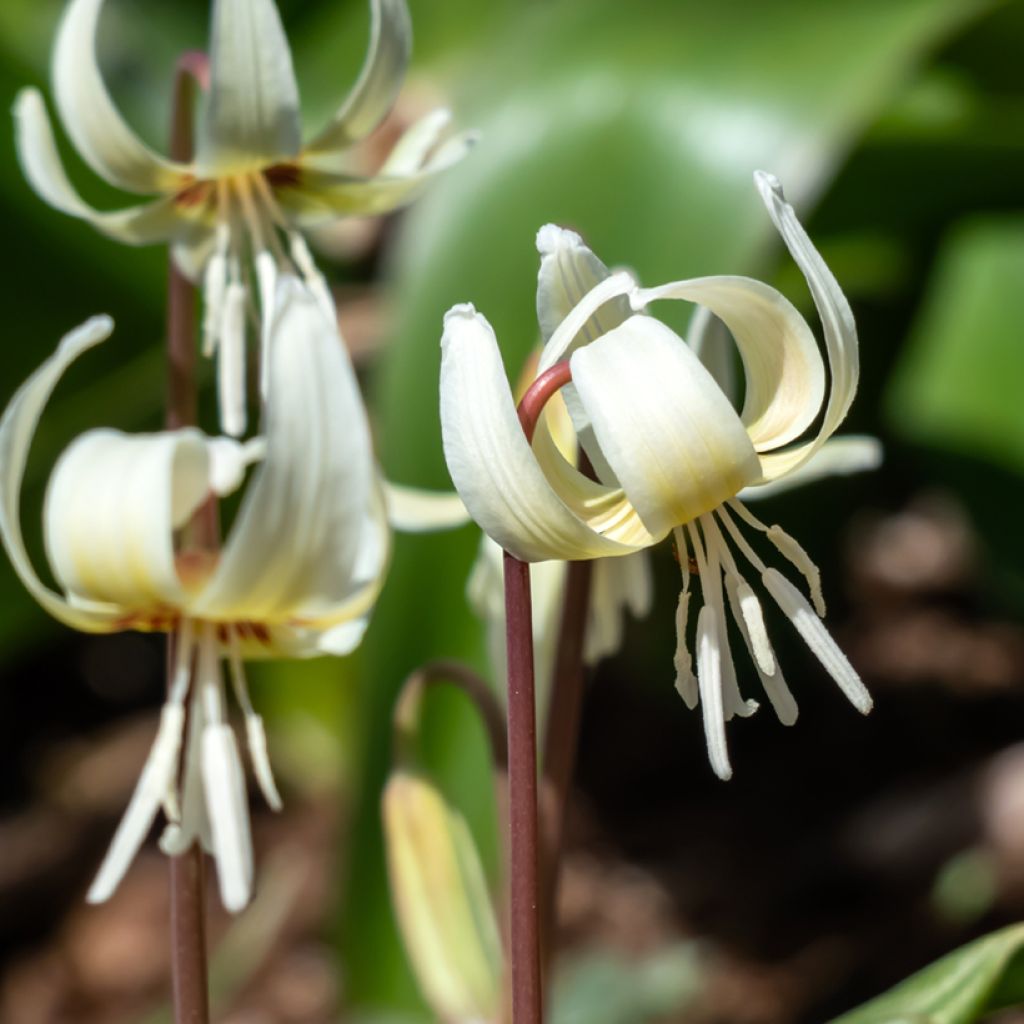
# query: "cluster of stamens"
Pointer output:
{"type": "Point", "coordinates": [704, 543]}
{"type": "Point", "coordinates": [252, 240]}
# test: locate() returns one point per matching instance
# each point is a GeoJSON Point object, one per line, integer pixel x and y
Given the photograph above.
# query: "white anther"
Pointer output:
{"type": "Point", "coordinates": [790, 549]}
{"type": "Point", "coordinates": [797, 609]}
{"type": "Point", "coordinates": [231, 363]}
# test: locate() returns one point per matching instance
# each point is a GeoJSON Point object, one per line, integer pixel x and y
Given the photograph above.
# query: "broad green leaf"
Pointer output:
{"type": "Point", "coordinates": [638, 125]}
{"type": "Point", "coordinates": [957, 386]}
{"type": "Point", "coordinates": [982, 977]}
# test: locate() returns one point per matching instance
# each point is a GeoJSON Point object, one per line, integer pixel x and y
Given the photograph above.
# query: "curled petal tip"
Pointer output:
{"type": "Point", "coordinates": [462, 311]}
{"type": "Point", "coordinates": [551, 238]}
{"type": "Point", "coordinates": [768, 183]}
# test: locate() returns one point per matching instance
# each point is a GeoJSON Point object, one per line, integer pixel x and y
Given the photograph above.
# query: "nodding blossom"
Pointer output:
{"type": "Point", "coordinates": [671, 453]}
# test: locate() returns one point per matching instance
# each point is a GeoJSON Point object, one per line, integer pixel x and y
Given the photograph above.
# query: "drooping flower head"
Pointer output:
{"type": "Point", "coordinates": [296, 575]}
{"type": "Point", "coordinates": [672, 454]}
{"type": "Point", "coordinates": [241, 204]}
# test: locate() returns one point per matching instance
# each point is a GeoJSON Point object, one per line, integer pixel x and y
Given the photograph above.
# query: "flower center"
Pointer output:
{"type": "Point", "coordinates": [253, 241]}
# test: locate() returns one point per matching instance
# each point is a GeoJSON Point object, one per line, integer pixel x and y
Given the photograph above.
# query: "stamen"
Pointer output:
{"type": "Point", "coordinates": [712, 586]}
{"type": "Point", "coordinates": [181, 677]}
{"type": "Point", "coordinates": [709, 676]}
{"type": "Point", "coordinates": [157, 777]}
{"type": "Point", "coordinates": [254, 731]}
{"type": "Point", "coordinates": [686, 682]}
{"type": "Point", "coordinates": [740, 540]}
{"type": "Point", "coordinates": [303, 260]}
{"type": "Point", "coordinates": [215, 281]}
{"type": "Point", "coordinates": [224, 785]}
{"type": "Point", "coordinates": [231, 363]}
{"type": "Point", "coordinates": [193, 825]}
{"type": "Point", "coordinates": [790, 549]}
{"type": "Point", "coordinates": [796, 608]}
{"type": "Point", "coordinates": [774, 684]}
{"type": "Point", "coordinates": [750, 619]}
{"type": "Point", "coordinates": [155, 787]}
{"type": "Point", "coordinates": [266, 279]}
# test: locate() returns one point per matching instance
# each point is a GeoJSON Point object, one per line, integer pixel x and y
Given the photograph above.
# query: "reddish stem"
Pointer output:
{"type": "Point", "coordinates": [524, 882]}
{"type": "Point", "coordinates": [187, 883]}
{"type": "Point", "coordinates": [562, 734]}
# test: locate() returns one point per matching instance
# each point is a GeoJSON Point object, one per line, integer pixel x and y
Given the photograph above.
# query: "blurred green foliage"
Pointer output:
{"type": "Point", "coordinates": [638, 124]}
{"type": "Point", "coordinates": [965, 986]}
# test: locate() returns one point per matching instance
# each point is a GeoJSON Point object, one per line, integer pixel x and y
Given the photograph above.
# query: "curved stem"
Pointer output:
{"type": "Point", "coordinates": [524, 880]}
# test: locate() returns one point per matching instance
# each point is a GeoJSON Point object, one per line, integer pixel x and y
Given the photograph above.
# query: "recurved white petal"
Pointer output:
{"type": "Point", "coordinates": [300, 549]}
{"type": "Point", "coordinates": [251, 116]}
{"type": "Point", "coordinates": [837, 323]}
{"type": "Point", "coordinates": [569, 269]}
{"type": "Point", "coordinates": [838, 456]}
{"type": "Point", "coordinates": [411, 151]}
{"type": "Point", "coordinates": [667, 431]}
{"type": "Point", "coordinates": [493, 467]}
{"type": "Point", "coordinates": [112, 505]}
{"type": "Point", "coordinates": [103, 139]}
{"type": "Point", "coordinates": [157, 221]}
{"type": "Point", "coordinates": [707, 336]}
{"type": "Point", "coordinates": [568, 276]}
{"type": "Point", "coordinates": [377, 87]}
{"type": "Point", "coordinates": [319, 197]}
{"type": "Point", "coordinates": [783, 370]}
{"type": "Point", "coordinates": [299, 641]}
{"type": "Point", "coordinates": [16, 431]}
{"type": "Point", "coordinates": [413, 510]}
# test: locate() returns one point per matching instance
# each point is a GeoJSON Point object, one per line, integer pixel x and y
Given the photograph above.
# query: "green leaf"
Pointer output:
{"type": "Point", "coordinates": [978, 979]}
{"type": "Point", "coordinates": [957, 386]}
{"type": "Point", "coordinates": [639, 125]}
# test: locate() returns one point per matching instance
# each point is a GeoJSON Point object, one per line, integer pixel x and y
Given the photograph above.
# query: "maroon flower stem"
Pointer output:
{"type": "Point", "coordinates": [561, 735]}
{"type": "Point", "coordinates": [523, 856]}
{"type": "Point", "coordinates": [187, 882]}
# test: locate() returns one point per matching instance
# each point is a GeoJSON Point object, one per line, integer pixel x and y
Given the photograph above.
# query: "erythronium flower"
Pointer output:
{"type": "Point", "coordinates": [253, 186]}
{"type": "Point", "coordinates": [296, 576]}
{"type": "Point", "coordinates": [671, 454]}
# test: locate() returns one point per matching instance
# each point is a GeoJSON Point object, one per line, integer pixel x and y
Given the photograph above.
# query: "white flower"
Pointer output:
{"type": "Point", "coordinates": [296, 576]}
{"type": "Point", "coordinates": [671, 454]}
{"type": "Point", "coordinates": [253, 186]}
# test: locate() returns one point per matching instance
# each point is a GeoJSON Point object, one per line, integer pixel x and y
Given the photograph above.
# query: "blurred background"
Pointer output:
{"type": "Point", "coordinates": [846, 852]}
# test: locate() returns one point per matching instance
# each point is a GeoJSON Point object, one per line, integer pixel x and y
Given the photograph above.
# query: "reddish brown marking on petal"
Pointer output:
{"type": "Point", "coordinates": [222, 633]}
{"type": "Point", "coordinates": [283, 175]}
{"type": "Point", "coordinates": [260, 632]}
{"type": "Point", "coordinates": [194, 194]}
